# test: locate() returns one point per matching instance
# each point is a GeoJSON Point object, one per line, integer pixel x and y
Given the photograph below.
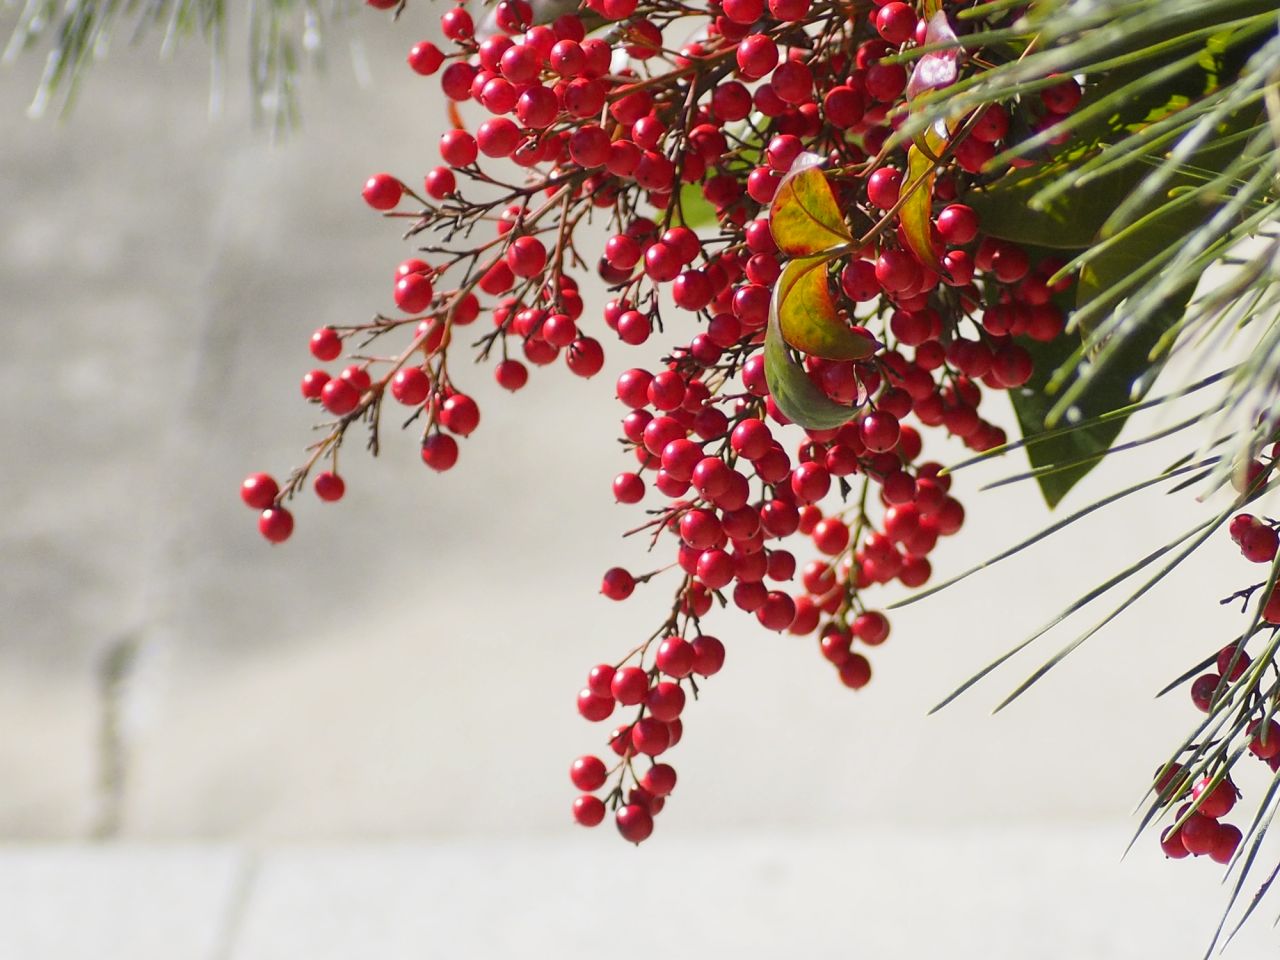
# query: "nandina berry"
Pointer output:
{"type": "Point", "coordinates": [329, 486]}
{"type": "Point", "coordinates": [659, 780]}
{"type": "Point", "coordinates": [618, 584]}
{"type": "Point", "coordinates": [635, 823]}
{"type": "Point", "coordinates": [1199, 834]}
{"type": "Point", "coordinates": [440, 452]}
{"type": "Point", "coordinates": [665, 700]}
{"type": "Point", "coordinates": [629, 686]}
{"type": "Point", "coordinates": [588, 811]}
{"type": "Point", "coordinates": [382, 191]}
{"type": "Point", "coordinates": [1202, 690]}
{"type": "Point", "coordinates": [511, 375]}
{"type": "Point", "coordinates": [459, 414]}
{"type": "Point", "coordinates": [1172, 845]}
{"type": "Point", "coordinates": [1225, 842]}
{"type": "Point", "coordinates": [425, 58]}
{"type": "Point", "coordinates": [777, 612]}
{"type": "Point", "coordinates": [676, 657]}
{"type": "Point", "coordinates": [594, 707]}
{"type": "Point", "coordinates": [650, 736]}
{"type": "Point", "coordinates": [1264, 741]}
{"type": "Point", "coordinates": [259, 490]}
{"type": "Point", "coordinates": [871, 627]}
{"type": "Point", "coordinates": [708, 655]}
{"type": "Point", "coordinates": [855, 672]}
{"type": "Point", "coordinates": [276, 524]}
{"type": "Point", "coordinates": [585, 357]}
{"type": "Point", "coordinates": [588, 773]}
{"type": "Point", "coordinates": [599, 678]}
{"type": "Point", "coordinates": [1218, 801]}
{"type": "Point", "coordinates": [339, 396]}
{"type": "Point", "coordinates": [326, 344]}
{"type": "Point", "coordinates": [410, 386]}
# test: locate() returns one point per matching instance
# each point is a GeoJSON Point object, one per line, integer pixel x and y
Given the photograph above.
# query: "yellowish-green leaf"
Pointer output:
{"type": "Point", "coordinates": [796, 395]}
{"type": "Point", "coordinates": [804, 217]}
{"type": "Point", "coordinates": [915, 214]}
{"type": "Point", "coordinates": [807, 317]}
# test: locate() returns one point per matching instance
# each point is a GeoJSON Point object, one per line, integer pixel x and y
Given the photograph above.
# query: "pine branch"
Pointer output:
{"type": "Point", "coordinates": [284, 36]}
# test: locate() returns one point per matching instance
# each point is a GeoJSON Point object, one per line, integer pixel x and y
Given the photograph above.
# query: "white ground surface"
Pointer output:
{"type": "Point", "coordinates": [383, 708]}
{"type": "Point", "coordinates": [1045, 893]}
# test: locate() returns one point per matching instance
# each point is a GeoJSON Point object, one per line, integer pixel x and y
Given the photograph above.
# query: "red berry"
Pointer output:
{"type": "Point", "coordinates": [259, 491]}
{"type": "Point", "coordinates": [339, 396]}
{"type": "Point", "coordinates": [855, 672]}
{"type": "Point", "coordinates": [660, 779]}
{"type": "Point", "coordinates": [634, 823]}
{"type": "Point", "coordinates": [588, 773]}
{"type": "Point", "coordinates": [1225, 842]}
{"type": "Point", "coordinates": [676, 657]}
{"type": "Point", "coordinates": [594, 707]}
{"type": "Point", "coordinates": [276, 524]}
{"type": "Point", "coordinates": [708, 656]}
{"type": "Point", "coordinates": [629, 686]}
{"type": "Point", "coordinates": [588, 811]}
{"type": "Point", "coordinates": [326, 344]}
{"type": "Point", "coordinates": [329, 486]}
{"type": "Point", "coordinates": [425, 58]}
{"type": "Point", "coordinates": [382, 191]}
{"type": "Point", "coordinates": [440, 452]}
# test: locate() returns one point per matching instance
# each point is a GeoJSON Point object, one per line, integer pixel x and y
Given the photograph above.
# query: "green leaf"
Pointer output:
{"type": "Point", "coordinates": [804, 216]}
{"type": "Point", "coordinates": [694, 210]}
{"type": "Point", "coordinates": [1068, 222]}
{"type": "Point", "coordinates": [806, 314]}
{"type": "Point", "coordinates": [796, 395]}
{"type": "Point", "coordinates": [1129, 377]}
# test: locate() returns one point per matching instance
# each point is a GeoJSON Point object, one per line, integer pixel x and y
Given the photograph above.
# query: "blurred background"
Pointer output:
{"type": "Point", "coordinates": [355, 745]}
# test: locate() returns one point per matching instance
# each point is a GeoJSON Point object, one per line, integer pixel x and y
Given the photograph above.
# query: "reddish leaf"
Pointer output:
{"type": "Point", "coordinates": [806, 314]}
{"type": "Point", "coordinates": [804, 216]}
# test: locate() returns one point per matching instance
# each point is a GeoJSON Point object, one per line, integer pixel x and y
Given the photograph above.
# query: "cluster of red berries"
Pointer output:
{"type": "Point", "coordinates": [673, 110]}
{"type": "Point", "coordinates": [1198, 829]}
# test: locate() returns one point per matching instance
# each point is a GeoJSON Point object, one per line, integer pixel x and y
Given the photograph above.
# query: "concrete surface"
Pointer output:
{"type": "Point", "coordinates": [405, 667]}
{"type": "Point", "coordinates": [1056, 893]}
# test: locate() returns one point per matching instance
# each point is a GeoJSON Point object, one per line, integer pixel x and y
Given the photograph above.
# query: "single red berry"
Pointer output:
{"type": "Point", "coordinates": [635, 823]}
{"type": "Point", "coordinates": [588, 810]}
{"type": "Point", "coordinates": [1199, 834]}
{"type": "Point", "coordinates": [708, 655]}
{"type": "Point", "coordinates": [665, 700]}
{"type": "Point", "coordinates": [382, 191]}
{"type": "Point", "coordinates": [511, 375]}
{"type": "Point", "coordinates": [1202, 691]}
{"type": "Point", "coordinates": [594, 707]}
{"type": "Point", "coordinates": [1218, 801]}
{"type": "Point", "coordinates": [339, 396]}
{"type": "Point", "coordinates": [659, 780]}
{"type": "Point", "coordinates": [629, 686]}
{"type": "Point", "coordinates": [855, 672]}
{"type": "Point", "coordinates": [329, 486]}
{"type": "Point", "coordinates": [1171, 844]}
{"type": "Point", "coordinates": [276, 524]}
{"type": "Point", "coordinates": [650, 736]}
{"type": "Point", "coordinates": [676, 657]}
{"type": "Point", "coordinates": [618, 584]}
{"type": "Point", "coordinates": [425, 58]}
{"type": "Point", "coordinates": [588, 773]}
{"type": "Point", "coordinates": [460, 414]}
{"type": "Point", "coordinates": [440, 452]}
{"type": "Point", "coordinates": [1225, 841]}
{"type": "Point", "coordinates": [326, 344]}
{"type": "Point", "coordinates": [259, 490]}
